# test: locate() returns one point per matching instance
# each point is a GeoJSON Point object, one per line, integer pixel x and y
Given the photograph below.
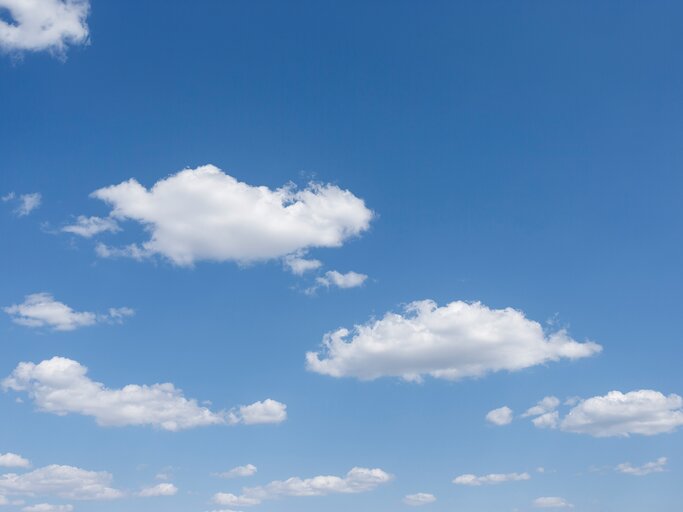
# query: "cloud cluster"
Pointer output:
{"type": "Point", "coordinates": [419, 499]}
{"type": "Point", "coordinates": [205, 214]}
{"type": "Point", "coordinates": [39, 25]}
{"type": "Point", "coordinates": [656, 466]}
{"type": "Point", "coordinates": [42, 310]}
{"type": "Point", "coordinates": [357, 480]}
{"type": "Point", "coordinates": [61, 386]}
{"type": "Point", "coordinates": [66, 482]}
{"type": "Point", "coordinates": [451, 342]}
{"type": "Point", "coordinates": [493, 478]}
{"type": "Point", "coordinates": [26, 202]}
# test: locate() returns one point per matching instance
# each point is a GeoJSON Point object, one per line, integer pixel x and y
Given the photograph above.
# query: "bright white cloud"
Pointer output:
{"type": "Point", "coordinates": [205, 214]}
{"type": "Point", "coordinates": [66, 482]}
{"type": "Point", "coordinates": [551, 502]}
{"type": "Point", "coordinates": [357, 480]}
{"type": "Point", "coordinates": [47, 507]}
{"type": "Point", "coordinates": [26, 202]}
{"type": "Point", "coordinates": [164, 489]}
{"type": "Point", "coordinates": [42, 310]}
{"type": "Point", "coordinates": [645, 412]}
{"type": "Point", "coordinates": [548, 404]}
{"type": "Point", "coordinates": [656, 466]}
{"type": "Point", "coordinates": [500, 416]}
{"type": "Point", "coordinates": [451, 342]}
{"type": "Point", "coordinates": [61, 386]}
{"type": "Point", "coordinates": [39, 25]}
{"type": "Point", "coordinates": [493, 478]}
{"type": "Point", "coordinates": [419, 499]}
{"type": "Point", "coordinates": [239, 471]}
{"type": "Point", "coordinates": [88, 227]}
{"type": "Point", "coordinates": [12, 460]}
{"type": "Point", "coordinates": [348, 280]}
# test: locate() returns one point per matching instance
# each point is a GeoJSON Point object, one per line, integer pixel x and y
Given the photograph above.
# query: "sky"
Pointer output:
{"type": "Point", "coordinates": [322, 255]}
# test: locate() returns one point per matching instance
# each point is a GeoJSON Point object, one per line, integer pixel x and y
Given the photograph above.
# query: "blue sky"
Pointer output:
{"type": "Point", "coordinates": [478, 155]}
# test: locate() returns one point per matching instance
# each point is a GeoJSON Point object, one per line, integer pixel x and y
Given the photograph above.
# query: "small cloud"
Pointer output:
{"type": "Point", "coordinates": [656, 466]}
{"type": "Point", "coordinates": [26, 202]}
{"type": "Point", "coordinates": [299, 265]}
{"type": "Point", "coordinates": [551, 502]}
{"type": "Point", "coordinates": [165, 489]}
{"type": "Point", "coordinates": [419, 499]}
{"type": "Point", "coordinates": [239, 471]}
{"type": "Point", "coordinates": [500, 416]}
{"type": "Point", "coordinates": [348, 280]}
{"type": "Point", "coordinates": [88, 227]}
{"type": "Point", "coordinates": [12, 460]}
{"type": "Point", "coordinates": [491, 479]}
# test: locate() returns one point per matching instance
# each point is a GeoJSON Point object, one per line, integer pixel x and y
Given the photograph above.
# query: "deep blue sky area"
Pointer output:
{"type": "Point", "coordinates": [524, 154]}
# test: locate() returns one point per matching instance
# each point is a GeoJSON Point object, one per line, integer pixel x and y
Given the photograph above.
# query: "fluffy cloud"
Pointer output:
{"type": "Point", "coordinates": [500, 416]}
{"type": "Point", "coordinates": [88, 227]}
{"type": "Point", "coordinates": [493, 478]}
{"type": "Point", "coordinates": [298, 265]}
{"type": "Point", "coordinates": [66, 482]}
{"type": "Point", "coordinates": [656, 466]}
{"type": "Point", "coordinates": [348, 280]}
{"type": "Point", "coordinates": [12, 460]}
{"type": "Point", "coordinates": [27, 202]}
{"type": "Point", "coordinates": [545, 412]}
{"type": "Point", "coordinates": [419, 499]}
{"type": "Point", "coordinates": [205, 214]}
{"type": "Point", "coordinates": [357, 480]}
{"type": "Point", "coordinates": [645, 412]}
{"type": "Point", "coordinates": [451, 342]}
{"type": "Point", "coordinates": [239, 471]}
{"type": "Point", "coordinates": [165, 489]}
{"type": "Point", "coordinates": [61, 386]}
{"type": "Point", "coordinates": [42, 310]}
{"type": "Point", "coordinates": [551, 502]}
{"type": "Point", "coordinates": [47, 507]}
{"type": "Point", "coordinates": [49, 25]}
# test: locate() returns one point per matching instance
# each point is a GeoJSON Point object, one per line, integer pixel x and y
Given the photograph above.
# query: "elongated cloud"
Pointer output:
{"type": "Point", "coordinates": [551, 502]}
{"type": "Point", "coordinates": [239, 472]}
{"type": "Point", "coordinates": [61, 386]}
{"type": "Point", "coordinates": [451, 342]}
{"type": "Point", "coordinates": [47, 507]}
{"type": "Point", "coordinates": [39, 25]}
{"type": "Point", "coordinates": [493, 478]}
{"type": "Point", "coordinates": [205, 214]}
{"type": "Point", "coordinates": [87, 227]}
{"type": "Point", "coordinates": [357, 480]}
{"type": "Point", "coordinates": [419, 499]}
{"type": "Point", "coordinates": [656, 466]}
{"type": "Point", "coordinates": [66, 482]}
{"type": "Point", "coordinates": [164, 489]}
{"type": "Point", "coordinates": [42, 310]}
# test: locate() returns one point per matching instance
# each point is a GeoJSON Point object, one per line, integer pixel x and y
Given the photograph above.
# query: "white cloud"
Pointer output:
{"type": "Point", "coordinates": [61, 386]}
{"type": "Point", "coordinates": [164, 489]}
{"type": "Point", "coordinates": [419, 499]}
{"type": "Point", "coordinates": [357, 480]}
{"type": "Point", "coordinates": [451, 342]}
{"type": "Point", "coordinates": [239, 471]}
{"type": "Point", "coordinates": [299, 265]}
{"type": "Point", "coordinates": [66, 482]}
{"type": "Point", "coordinates": [493, 478]}
{"type": "Point", "coordinates": [548, 404]}
{"type": "Point", "coordinates": [42, 310]}
{"type": "Point", "coordinates": [27, 202]}
{"type": "Point", "coordinates": [12, 460]}
{"type": "Point", "coordinates": [205, 214]}
{"type": "Point", "coordinates": [47, 507]}
{"type": "Point", "coordinates": [88, 227]}
{"type": "Point", "coordinates": [500, 416]}
{"type": "Point", "coordinates": [644, 412]}
{"type": "Point", "coordinates": [348, 280]}
{"type": "Point", "coordinates": [656, 466]}
{"type": "Point", "coordinates": [547, 420]}
{"type": "Point", "coordinates": [39, 25]}
{"type": "Point", "coordinates": [551, 502]}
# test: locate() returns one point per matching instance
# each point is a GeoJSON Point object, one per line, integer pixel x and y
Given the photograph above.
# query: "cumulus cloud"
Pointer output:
{"type": "Point", "coordinates": [298, 265]}
{"type": "Point", "coordinates": [42, 310]}
{"type": "Point", "coordinates": [12, 460]}
{"type": "Point", "coordinates": [645, 412]}
{"type": "Point", "coordinates": [500, 416]}
{"type": "Point", "coordinates": [39, 25]}
{"type": "Point", "coordinates": [419, 499]}
{"type": "Point", "coordinates": [205, 214]}
{"type": "Point", "coordinates": [88, 227]}
{"type": "Point", "coordinates": [493, 478]}
{"type": "Point", "coordinates": [61, 386]}
{"type": "Point", "coordinates": [451, 342]}
{"type": "Point", "coordinates": [656, 466]}
{"type": "Point", "coordinates": [357, 480]}
{"type": "Point", "coordinates": [65, 482]}
{"type": "Point", "coordinates": [47, 507]}
{"type": "Point", "coordinates": [239, 471]}
{"type": "Point", "coordinates": [551, 502]}
{"type": "Point", "coordinates": [26, 202]}
{"type": "Point", "coordinates": [348, 280]}
{"type": "Point", "coordinates": [164, 489]}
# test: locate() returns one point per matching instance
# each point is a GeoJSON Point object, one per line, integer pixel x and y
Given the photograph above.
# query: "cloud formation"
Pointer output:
{"type": "Point", "coordinates": [87, 227]}
{"type": "Point", "coordinates": [47, 507]}
{"type": "Point", "coordinates": [164, 489]}
{"type": "Point", "coordinates": [500, 416]}
{"type": "Point", "coordinates": [239, 472]}
{"type": "Point", "coordinates": [12, 460]}
{"type": "Point", "coordinates": [656, 466]}
{"type": "Point", "coordinates": [42, 310]}
{"type": "Point", "coordinates": [61, 386]}
{"type": "Point", "coordinates": [493, 478]}
{"type": "Point", "coordinates": [205, 214]}
{"type": "Point", "coordinates": [419, 499]}
{"type": "Point", "coordinates": [551, 502]}
{"type": "Point", "coordinates": [27, 202]}
{"type": "Point", "coordinates": [450, 342]}
{"type": "Point", "coordinates": [347, 280]}
{"type": "Point", "coordinates": [357, 480]}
